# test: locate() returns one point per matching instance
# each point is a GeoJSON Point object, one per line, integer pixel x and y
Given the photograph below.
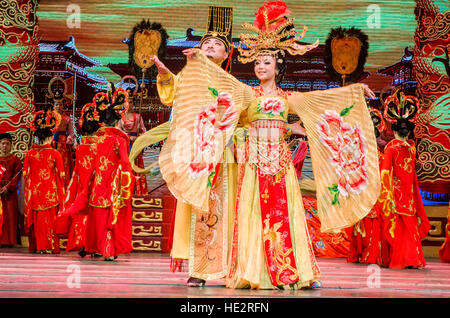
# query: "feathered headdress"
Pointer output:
{"type": "Point", "coordinates": [45, 119]}
{"type": "Point", "coordinates": [275, 33]}
{"type": "Point", "coordinates": [398, 106]}
{"type": "Point", "coordinates": [378, 121]}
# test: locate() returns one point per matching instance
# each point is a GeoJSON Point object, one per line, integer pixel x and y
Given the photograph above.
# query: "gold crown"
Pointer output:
{"type": "Point", "coordinates": [276, 34]}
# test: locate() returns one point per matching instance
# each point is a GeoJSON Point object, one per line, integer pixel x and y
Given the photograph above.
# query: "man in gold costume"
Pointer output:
{"type": "Point", "coordinates": [201, 237]}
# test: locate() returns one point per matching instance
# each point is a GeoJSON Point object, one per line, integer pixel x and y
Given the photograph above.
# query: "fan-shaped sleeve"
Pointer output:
{"type": "Point", "coordinates": [196, 81]}
{"type": "Point", "coordinates": [343, 152]}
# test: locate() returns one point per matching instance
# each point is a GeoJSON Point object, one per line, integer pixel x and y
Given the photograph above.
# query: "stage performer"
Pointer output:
{"type": "Point", "coordinates": [201, 237]}
{"type": "Point", "coordinates": [43, 172]}
{"type": "Point", "coordinates": [74, 226]}
{"type": "Point", "coordinates": [63, 136]}
{"type": "Point", "coordinates": [132, 124]}
{"type": "Point", "coordinates": [270, 247]}
{"type": "Point", "coordinates": [404, 221]}
{"type": "Point", "coordinates": [444, 251]}
{"type": "Point", "coordinates": [366, 241]}
{"type": "Point", "coordinates": [8, 191]}
{"type": "Point", "coordinates": [108, 195]}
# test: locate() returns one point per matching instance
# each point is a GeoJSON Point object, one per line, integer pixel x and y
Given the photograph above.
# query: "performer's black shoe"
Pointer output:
{"type": "Point", "coordinates": [96, 255]}
{"type": "Point", "coordinates": [82, 253]}
{"type": "Point", "coordinates": [195, 282]}
{"type": "Point", "coordinates": [109, 259]}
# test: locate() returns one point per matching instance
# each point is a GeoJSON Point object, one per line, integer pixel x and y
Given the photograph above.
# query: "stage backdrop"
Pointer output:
{"type": "Point", "coordinates": [98, 29]}
{"type": "Point", "coordinates": [100, 26]}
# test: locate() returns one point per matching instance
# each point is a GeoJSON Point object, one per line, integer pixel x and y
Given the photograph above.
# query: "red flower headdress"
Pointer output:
{"type": "Point", "coordinates": [400, 106]}
{"type": "Point", "coordinates": [377, 120]}
{"type": "Point", "coordinates": [88, 113]}
{"type": "Point", "coordinates": [45, 119]}
{"type": "Point", "coordinates": [275, 33]}
{"type": "Point", "coordinates": [118, 102]}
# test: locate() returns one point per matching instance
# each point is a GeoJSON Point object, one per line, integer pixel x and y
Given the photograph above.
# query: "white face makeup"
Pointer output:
{"type": "Point", "coordinates": [265, 68]}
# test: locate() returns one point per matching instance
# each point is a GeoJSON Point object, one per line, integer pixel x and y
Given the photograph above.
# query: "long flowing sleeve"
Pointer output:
{"type": "Point", "coordinates": [196, 119]}
{"type": "Point", "coordinates": [343, 152]}
{"type": "Point", "coordinates": [167, 84]}
{"type": "Point", "coordinates": [148, 138]}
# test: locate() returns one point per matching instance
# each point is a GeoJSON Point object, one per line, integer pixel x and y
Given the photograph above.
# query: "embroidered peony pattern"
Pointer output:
{"type": "Point", "coordinates": [207, 129]}
{"type": "Point", "coordinates": [271, 106]}
{"type": "Point", "coordinates": [348, 153]}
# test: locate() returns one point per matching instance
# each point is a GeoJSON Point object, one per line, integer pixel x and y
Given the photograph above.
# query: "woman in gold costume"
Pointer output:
{"type": "Point", "coordinates": [270, 245]}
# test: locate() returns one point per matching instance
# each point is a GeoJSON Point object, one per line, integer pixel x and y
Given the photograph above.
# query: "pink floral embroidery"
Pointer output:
{"type": "Point", "coordinates": [348, 152]}
{"type": "Point", "coordinates": [272, 106]}
{"type": "Point", "coordinates": [207, 129]}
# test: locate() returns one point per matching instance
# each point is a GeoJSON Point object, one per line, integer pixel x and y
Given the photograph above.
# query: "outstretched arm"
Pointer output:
{"type": "Point", "coordinates": [166, 82]}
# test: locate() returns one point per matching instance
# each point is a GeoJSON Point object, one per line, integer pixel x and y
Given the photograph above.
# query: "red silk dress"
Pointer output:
{"type": "Point", "coordinates": [365, 237]}
{"type": "Point", "coordinates": [404, 221]}
{"type": "Point", "coordinates": [10, 215]}
{"type": "Point", "coordinates": [43, 172]}
{"type": "Point", "coordinates": [74, 225]}
{"type": "Point", "coordinates": [134, 127]}
{"type": "Point", "coordinates": [109, 228]}
{"type": "Point", "coordinates": [63, 132]}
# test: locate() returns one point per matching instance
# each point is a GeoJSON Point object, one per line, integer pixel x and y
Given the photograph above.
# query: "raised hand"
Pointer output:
{"type": "Point", "coordinates": [191, 52]}
{"type": "Point", "coordinates": [162, 69]}
{"type": "Point", "coordinates": [369, 93]}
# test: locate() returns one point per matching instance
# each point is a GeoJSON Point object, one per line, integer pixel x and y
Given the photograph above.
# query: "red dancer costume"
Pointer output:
{"type": "Point", "coordinates": [133, 125]}
{"type": "Point", "coordinates": [366, 240]}
{"type": "Point", "coordinates": [404, 221]}
{"type": "Point", "coordinates": [43, 173]}
{"type": "Point", "coordinates": [74, 226]}
{"type": "Point", "coordinates": [8, 191]}
{"type": "Point", "coordinates": [108, 195]}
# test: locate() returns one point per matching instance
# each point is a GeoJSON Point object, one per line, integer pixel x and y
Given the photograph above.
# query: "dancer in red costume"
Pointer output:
{"type": "Point", "coordinates": [8, 191]}
{"type": "Point", "coordinates": [74, 226]}
{"type": "Point", "coordinates": [43, 172]}
{"type": "Point", "coordinates": [133, 125]}
{"type": "Point", "coordinates": [108, 194]}
{"type": "Point", "coordinates": [404, 221]}
{"type": "Point", "coordinates": [365, 235]}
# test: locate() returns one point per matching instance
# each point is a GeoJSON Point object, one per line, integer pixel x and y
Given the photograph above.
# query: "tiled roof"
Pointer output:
{"type": "Point", "coordinates": [61, 46]}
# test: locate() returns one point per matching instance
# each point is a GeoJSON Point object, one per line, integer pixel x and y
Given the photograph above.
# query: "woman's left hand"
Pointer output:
{"type": "Point", "coordinates": [297, 129]}
{"type": "Point", "coordinates": [368, 92]}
